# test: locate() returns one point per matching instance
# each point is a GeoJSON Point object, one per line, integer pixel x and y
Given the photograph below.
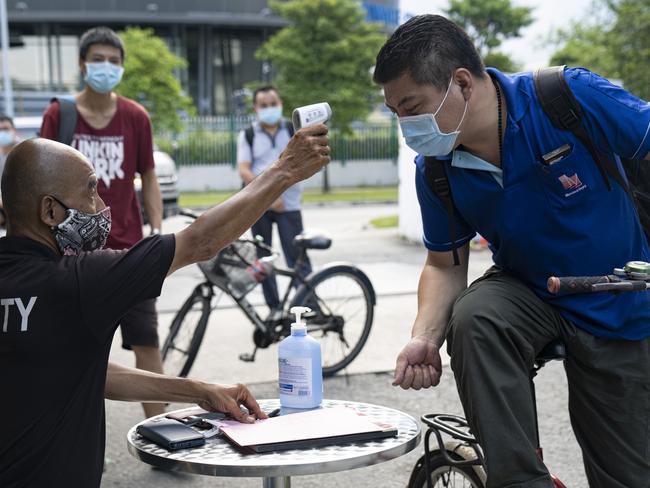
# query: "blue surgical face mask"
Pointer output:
{"type": "Point", "coordinates": [6, 138]}
{"type": "Point", "coordinates": [423, 135]}
{"type": "Point", "coordinates": [270, 115]}
{"type": "Point", "coordinates": [103, 77]}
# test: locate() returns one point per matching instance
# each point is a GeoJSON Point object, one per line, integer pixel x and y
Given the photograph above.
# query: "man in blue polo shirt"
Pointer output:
{"type": "Point", "coordinates": [541, 220]}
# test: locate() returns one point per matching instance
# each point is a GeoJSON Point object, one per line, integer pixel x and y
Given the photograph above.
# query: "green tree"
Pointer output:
{"type": "Point", "coordinates": [501, 61]}
{"type": "Point", "coordinates": [149, 78]}
{"type": "Point", "coordinates": [489, 23]}
{"type": "Point", "coordinates": [586, 45]}
{"type": "Point", "coordinates": [630, 44]}
{"type": "Point", "coordinates": [325, 54]}
{"type": "Point", "coordinates": [615, 43]}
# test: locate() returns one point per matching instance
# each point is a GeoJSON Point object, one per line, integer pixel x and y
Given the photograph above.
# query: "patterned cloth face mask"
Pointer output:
{"type": "Point", "coordinates": [81, 231]}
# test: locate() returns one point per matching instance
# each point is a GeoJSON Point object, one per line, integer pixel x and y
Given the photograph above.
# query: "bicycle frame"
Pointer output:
{"type": "Point", "coordinates": [458, 429]}
{"type": "Point", "coordinates": [246, 307]}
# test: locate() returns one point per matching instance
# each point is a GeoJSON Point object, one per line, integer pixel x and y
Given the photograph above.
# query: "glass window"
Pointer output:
{"type": "Point", "coordinates": [234, 65]}
{"type": "Point", "coordinates": [29, 62]}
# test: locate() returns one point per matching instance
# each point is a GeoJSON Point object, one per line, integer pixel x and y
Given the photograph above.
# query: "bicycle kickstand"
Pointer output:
{"type": "Point", "coordinates": [248, 358]}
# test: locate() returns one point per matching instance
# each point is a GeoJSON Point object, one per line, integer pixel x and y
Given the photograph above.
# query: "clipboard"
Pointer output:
{"type": "Point", "coordinates": [304, 430]}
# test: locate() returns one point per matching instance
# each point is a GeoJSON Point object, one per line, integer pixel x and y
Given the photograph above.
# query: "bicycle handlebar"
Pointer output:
{"type": "Point", "coordinates": [186, 212]}
{"type": "Point", "coordinates": [571, 285]}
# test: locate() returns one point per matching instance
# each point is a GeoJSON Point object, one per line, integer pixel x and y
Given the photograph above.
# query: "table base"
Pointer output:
{"type": "Point", "coordinates": [277, 482]}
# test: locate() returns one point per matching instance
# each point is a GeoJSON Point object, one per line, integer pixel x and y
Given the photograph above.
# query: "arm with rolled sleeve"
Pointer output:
{"type": "Point", "coordinates": [419, 365]}
{"type": "Point", "coordinates": [616, 120]}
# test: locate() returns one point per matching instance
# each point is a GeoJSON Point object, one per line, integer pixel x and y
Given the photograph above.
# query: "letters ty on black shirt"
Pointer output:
{"type": "Point", "coordinates": [57, 320]}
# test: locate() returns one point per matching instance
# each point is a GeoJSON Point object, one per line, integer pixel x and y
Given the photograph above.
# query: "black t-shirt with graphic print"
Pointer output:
{"type": "Point", "coordinates": [57, 320]}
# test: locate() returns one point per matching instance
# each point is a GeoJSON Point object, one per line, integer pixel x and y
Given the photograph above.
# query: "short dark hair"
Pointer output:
{"type": "Point", "coordinates": [6, 118]}
{"type": "Point", "coordinates": [430, 48]}
{"type": "Point", "coordinates": [99, 35]}
{"type": "Point", "coordinates": [264, 89]}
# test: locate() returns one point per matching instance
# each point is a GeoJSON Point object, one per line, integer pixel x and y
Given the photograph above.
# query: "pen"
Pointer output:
{"type": "Point", "coordinates": [274, 413]}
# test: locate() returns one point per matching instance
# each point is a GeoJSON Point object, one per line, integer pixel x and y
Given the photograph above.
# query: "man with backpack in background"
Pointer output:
{"type": "Point", "coordinates": [114, 133]}
{"type": "Point", "coordinates": [258, 147]}
{"type": "Point", "coordinates": [532, 163]}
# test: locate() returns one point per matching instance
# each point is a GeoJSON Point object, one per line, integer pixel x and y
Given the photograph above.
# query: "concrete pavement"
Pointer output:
{"type": "Point", "coordinates": [393, 266]}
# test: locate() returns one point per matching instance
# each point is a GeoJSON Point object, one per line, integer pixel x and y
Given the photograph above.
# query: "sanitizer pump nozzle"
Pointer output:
{"type": "Point", "coordinates": [298, 324]}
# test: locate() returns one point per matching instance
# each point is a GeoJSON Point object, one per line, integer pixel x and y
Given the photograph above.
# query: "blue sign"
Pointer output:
{"type": "Point", "coordinates": [382, 13]}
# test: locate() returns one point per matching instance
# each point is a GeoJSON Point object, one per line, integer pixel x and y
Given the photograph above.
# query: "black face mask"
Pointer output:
{"type": "Point", "coordinates": [81, 231]}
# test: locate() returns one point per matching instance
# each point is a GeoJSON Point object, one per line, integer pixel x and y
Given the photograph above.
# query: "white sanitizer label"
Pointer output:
{"type": "Point", "coordinates": [295, 376]}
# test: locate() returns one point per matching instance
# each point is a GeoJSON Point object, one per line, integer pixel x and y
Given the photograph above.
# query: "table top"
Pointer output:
{"type": "Point", "coordinates": [218, 458]}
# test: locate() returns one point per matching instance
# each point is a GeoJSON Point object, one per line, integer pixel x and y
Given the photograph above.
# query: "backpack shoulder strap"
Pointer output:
{"type": "Point", "coordinates": [435, 172]}
{"type": "Point", "coordinates": [249, 133]}
{"type": "Point", "coordinates": [564, 111]}
{"type": "Point", "coordinates": [290, 128]}
{"type": "Point", "coordinates": [67, 119]}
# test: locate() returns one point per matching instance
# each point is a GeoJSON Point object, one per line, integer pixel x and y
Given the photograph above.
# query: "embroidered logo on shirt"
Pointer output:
{"type": "Point", "coordinates": [571, 184]}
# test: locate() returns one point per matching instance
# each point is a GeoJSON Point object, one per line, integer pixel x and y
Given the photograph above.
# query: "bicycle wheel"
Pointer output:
{"type": "Point", "coordinates": [186, 332]}
{"type": "Point", "coordinates": [342, 299]}
{"type": "Point", "coordinates": [443, 474]}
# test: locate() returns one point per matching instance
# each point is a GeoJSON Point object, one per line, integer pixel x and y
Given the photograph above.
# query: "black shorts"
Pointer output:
{"type": "Point", "coordinates": [140, 326]}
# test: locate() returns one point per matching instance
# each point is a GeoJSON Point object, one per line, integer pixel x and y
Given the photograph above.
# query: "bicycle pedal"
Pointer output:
{"type": "Point", "coordinates": [246, 357]}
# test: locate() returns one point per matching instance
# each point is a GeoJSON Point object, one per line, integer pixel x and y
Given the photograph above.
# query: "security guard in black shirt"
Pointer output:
{"type": "Point", "coordinates": [61, 298]}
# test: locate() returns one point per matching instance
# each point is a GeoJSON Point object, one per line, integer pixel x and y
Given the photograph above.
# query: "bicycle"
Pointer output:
{"type": "Point", "coordinates": [459, 460]}
{"type": "Point", "coordinates": [340, 295]}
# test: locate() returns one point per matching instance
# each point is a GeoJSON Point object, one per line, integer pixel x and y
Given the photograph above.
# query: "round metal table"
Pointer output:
{"type": "Point", "coordinates": [217, 458]}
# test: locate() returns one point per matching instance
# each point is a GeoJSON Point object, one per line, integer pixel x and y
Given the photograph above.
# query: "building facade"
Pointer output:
{"type": "Point", "coordinates": [218, 38]}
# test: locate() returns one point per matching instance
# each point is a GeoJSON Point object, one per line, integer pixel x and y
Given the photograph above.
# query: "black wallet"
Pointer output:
{"type": "Point", "coordinates": [170, 434]}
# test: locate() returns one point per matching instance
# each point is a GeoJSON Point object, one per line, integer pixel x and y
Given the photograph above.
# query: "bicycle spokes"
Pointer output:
{"type": "Point", "coordinates": [340, 321]}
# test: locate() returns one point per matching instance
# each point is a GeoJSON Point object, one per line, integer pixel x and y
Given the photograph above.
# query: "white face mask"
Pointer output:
{"type": "Point", "coordinates": [103, 77]}
{"type": "Point", "coordinates": [270, 115]}
{"type": "Point", "coordinates": [423, 135]}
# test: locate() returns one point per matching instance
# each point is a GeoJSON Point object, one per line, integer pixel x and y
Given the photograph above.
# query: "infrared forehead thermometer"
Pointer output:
{"type": "Point", "coordinates": [309, 115]}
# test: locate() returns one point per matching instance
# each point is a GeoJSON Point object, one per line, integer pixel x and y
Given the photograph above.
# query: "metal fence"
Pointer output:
{"type": "Point", "coordinates": [213, 140]}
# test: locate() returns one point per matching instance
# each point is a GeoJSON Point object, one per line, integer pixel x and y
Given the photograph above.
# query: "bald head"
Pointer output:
{"type": "Point", "coordinates": [38, 168]}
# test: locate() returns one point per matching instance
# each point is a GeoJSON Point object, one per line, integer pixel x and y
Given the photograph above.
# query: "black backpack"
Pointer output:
{"type": "Point", "coordinates": [564, 111]}
{"type": "Point", "coordinates": [249, 133]}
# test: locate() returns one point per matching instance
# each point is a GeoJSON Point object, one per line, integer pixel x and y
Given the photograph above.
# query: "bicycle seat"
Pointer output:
{"type": "Point", "coordinates": [551, 351]}
{"type": "Point", "coordinates": [308, 240]}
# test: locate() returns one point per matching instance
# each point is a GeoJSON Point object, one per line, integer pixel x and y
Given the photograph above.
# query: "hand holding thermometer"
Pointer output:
{"type": "Point", "coordinates": [317, 113]}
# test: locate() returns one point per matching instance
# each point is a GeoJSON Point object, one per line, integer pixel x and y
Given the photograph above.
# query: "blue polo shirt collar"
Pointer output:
{"type": "Point", "coordinates": [517, 99]}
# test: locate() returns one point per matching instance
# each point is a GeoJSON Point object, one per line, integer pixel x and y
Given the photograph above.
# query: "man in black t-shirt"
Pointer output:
{"type": "Point", "coordinates": [61, 299]}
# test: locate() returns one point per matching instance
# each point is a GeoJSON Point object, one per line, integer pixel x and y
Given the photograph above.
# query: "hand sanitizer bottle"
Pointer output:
{"type": "Point", "coordinates": [301, 372]}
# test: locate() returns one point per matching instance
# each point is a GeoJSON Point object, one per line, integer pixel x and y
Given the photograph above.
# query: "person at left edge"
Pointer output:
{"type": "Point", "coordinates": [114, 133]}
{"type": "Point", "coordinates": [61, 297]}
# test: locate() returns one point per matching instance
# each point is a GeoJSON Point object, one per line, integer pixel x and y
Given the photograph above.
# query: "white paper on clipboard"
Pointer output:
{"type": "Point", "coordinates": [315, 424]}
